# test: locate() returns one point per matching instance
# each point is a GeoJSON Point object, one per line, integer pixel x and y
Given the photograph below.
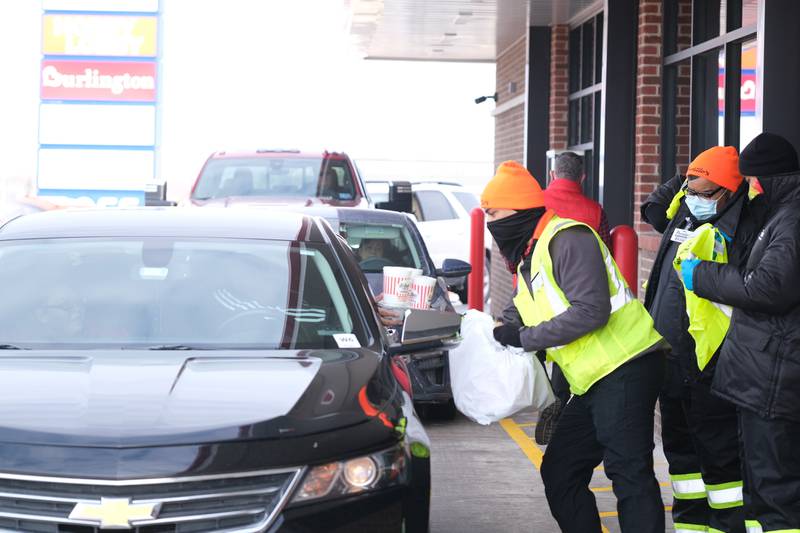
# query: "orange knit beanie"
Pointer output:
{"type": "Point", "coordinates": [512, 187]}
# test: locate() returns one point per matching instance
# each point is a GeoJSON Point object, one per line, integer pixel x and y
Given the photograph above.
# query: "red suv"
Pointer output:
{"type": "Point", "coordinates": [268, 177]}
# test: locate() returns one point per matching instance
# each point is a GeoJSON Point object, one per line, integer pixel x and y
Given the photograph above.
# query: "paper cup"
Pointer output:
{"type": "Point", "coordinates": [397, 286]}
{"type": "Point", "coordinates": [422, 287]}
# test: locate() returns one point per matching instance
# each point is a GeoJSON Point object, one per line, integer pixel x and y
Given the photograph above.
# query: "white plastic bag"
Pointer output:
{"type": "Point", "coordinates": [491, 381]}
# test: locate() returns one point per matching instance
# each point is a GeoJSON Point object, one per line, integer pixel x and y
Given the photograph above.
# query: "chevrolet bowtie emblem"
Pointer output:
{"type": "Point", "coordinates": [114, 513]}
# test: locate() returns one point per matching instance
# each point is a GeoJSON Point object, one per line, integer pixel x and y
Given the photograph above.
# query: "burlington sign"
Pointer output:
{"type": "Point", "coordinates": [116, 81]}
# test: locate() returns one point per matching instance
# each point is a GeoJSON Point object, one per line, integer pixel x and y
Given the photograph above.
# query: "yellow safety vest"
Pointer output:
{"type": "Point", "coordinates": [584, 361]}
{"type": "Point", "coordinates": [708, 321]}
{"type": "Point", "coordinates": [675, 204]}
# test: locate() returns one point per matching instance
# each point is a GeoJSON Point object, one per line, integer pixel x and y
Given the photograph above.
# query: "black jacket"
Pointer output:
{"type": "Point", "coordinates": [740, 219]}
{"type": "Point", "coordinates": [759, 366]}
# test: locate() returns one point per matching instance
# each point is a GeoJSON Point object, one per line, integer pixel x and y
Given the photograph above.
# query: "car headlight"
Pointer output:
{"type": "Point", "coordinates": [352, 476]}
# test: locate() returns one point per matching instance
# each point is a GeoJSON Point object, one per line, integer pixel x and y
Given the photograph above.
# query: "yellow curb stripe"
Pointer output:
{"type": "Point", "coordinates": [604, 529]}
{"type": "Point", "coordinates": [525, 443]}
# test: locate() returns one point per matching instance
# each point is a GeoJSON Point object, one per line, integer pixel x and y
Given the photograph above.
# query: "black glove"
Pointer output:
{"type": "Point", "coordinates": [507, 335]}
{"type": "Point", "coordinates": [656, 216]}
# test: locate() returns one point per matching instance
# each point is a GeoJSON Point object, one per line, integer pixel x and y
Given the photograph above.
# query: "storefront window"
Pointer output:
{"type": "Point", "coordinates": [749, 12]}
{"type": "Point", "coordinates": [749, 125]}
{"type": "Point", "coordinates": [585, 78]}
{"type": "Point", "coordinates": [709, 94]}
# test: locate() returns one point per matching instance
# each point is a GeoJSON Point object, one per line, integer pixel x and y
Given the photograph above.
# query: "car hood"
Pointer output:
{"type": "Point", "coordinates": [144, 398]}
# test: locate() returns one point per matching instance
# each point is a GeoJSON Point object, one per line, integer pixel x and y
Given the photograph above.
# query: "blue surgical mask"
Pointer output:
{"type": "Point", "coordinates": [701, 208]}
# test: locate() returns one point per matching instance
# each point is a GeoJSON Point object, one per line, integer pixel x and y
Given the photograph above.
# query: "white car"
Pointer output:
{"type": "Point", "coordinates": [442, 210]}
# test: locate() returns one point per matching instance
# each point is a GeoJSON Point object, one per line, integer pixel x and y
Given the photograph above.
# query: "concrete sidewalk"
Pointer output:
{"type": "Point", "coordinates": [485, 479]}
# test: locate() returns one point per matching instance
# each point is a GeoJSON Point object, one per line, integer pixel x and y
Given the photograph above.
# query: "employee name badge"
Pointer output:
{"type": "Point", "coordinates": [346, 340]}
{"type": "Point", "coordinates": [681, 235]}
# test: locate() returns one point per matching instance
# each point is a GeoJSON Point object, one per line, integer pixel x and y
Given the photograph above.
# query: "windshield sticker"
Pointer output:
{"type": "Point", "coordinates": [346, 340]}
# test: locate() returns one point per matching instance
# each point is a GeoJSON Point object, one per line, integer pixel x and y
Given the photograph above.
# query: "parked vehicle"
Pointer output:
{"type": "Point", "coordinates": [202, 370]}
{"type": "Point", "coordinates": [270, 177]}
{"type": "Point", "coordinates": [25, 205]}
{"type": "Point", "coordinates": [394, 240]}
{"type": "Point", "coordinates": [443, 211]}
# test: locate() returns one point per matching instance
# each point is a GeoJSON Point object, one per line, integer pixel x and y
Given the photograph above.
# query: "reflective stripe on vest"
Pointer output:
{"type": "Point", "coordinates": [708, 321]}
{"type": "Point", "coordinates": [688, 486]}
{"type": "Point", "coordinates": [725, 495]}
{"type": "Point", "coordinates": [628, 332]}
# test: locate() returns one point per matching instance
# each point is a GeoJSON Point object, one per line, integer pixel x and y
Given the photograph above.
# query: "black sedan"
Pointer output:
{"type": "Point", "coordinates": [182, 371]}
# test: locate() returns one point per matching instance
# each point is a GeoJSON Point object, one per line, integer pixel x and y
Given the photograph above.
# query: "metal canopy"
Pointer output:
{"type": "Point", "coordinates": [452, 30]}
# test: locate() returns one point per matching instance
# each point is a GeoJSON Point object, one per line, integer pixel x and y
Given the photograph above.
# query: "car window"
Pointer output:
{"type": "Point", "coordinates": [275, 176]}
{"type": "Point", "coordinates": [380, 245]}
{"type": "Point", "coordinates": [433, 206]}
{"type": "Point", "coordinates": [468, 200]}
{"type": "Point", "coordinates": [121, 293]}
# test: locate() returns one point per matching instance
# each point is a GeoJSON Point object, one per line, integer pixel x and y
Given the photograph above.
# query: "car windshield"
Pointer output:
{"type": "Point", "coordinates": [160, 292]}
{"type": "Point", "coordinates": [380, 245]}
{"type": "Point", "coordinates": [275, 176]}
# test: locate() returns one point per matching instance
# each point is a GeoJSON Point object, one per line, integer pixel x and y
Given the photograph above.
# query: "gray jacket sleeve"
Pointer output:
{"type": "Point", "coordinates": [511, 315]}
{"type": "Point", "coordinates": [580, 272]}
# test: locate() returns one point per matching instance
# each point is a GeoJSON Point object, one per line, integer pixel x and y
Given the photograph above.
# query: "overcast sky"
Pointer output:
{"type": "Point", "coordinates": [273, 73]}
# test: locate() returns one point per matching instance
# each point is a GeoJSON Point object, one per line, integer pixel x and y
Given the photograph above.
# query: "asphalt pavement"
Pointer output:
{"type": "Point", "coordinates": [486, 479]}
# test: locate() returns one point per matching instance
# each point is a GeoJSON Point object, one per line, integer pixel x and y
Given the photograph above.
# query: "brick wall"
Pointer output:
{"type": "Point", "coordinates": [647, 172]}
{"type": "Point", "coordinates": [648, 116]}
{"type": "Point", "coordinates": [559, 86]}
{"type": "Point", "coordinates": [509, 144]}
{"type": "Point", "coordinates": [511, 69]}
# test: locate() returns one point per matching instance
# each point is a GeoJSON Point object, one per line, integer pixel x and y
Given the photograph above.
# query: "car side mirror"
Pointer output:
{"type": "Point", "coordinates": [454, 268]}
{"type": "Point", "coordinates": [399, 197]}
{"type": "Point", "coordinates": [422, 325]}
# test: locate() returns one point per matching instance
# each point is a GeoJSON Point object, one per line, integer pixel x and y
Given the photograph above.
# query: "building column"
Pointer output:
{"type": "Point", "coordinates": [619, 92]}
{"type": "Point", "coordinates": [537, 105]}
{"type": "Point", "coordinates": [780, 42]}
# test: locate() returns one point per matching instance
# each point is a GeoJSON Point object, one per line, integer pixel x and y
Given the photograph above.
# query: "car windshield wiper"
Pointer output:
{"type": "Point", "coordinates": [12, 347]}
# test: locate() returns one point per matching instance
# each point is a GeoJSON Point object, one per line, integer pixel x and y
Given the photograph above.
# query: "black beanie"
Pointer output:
{"type": "Point", "coordinates": [767, 155]}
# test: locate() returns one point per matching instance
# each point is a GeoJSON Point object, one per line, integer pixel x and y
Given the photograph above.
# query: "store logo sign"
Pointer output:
{"type": "Point", "coordinates": [123, 81]}
{"type": "Point", "coordinates": [100, 35]}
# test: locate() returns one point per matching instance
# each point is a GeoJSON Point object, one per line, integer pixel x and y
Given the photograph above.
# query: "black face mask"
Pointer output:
{"type": "Point", "coordinates": [513, 233]}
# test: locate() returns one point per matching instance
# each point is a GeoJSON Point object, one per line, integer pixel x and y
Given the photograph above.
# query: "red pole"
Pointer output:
{"type": "Point", "coordinates": [625, 244]}
{"type": "Point", "coordinates": [476, 254]}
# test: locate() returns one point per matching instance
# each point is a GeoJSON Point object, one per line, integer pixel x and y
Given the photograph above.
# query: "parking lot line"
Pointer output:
{"type": "Point", "coordinates": [525, 443]}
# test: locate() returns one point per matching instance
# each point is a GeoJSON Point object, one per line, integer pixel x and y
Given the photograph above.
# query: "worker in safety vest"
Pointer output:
{"type": "Point", "coordinates": [706, 215]}
{"type": "Point", "coordinates": [759, 363]}
{"type": "Point", "coordinates": [564, 196]}
{"type": "Point", "coordinates": [573, 302]}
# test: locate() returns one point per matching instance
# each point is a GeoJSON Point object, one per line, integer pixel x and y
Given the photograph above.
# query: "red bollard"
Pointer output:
{"type": "Point", "coordinates": [476, 254]}
{"type": "Point", "coordinates": [625, 244]}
